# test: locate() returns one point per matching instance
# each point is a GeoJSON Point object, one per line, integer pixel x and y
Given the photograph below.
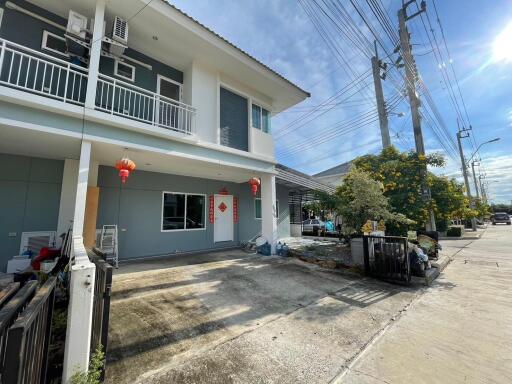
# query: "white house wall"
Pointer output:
{"type": "Point", "coordinates": [262, 143]}
{"type": "Point", "coordinates": [100, 132]}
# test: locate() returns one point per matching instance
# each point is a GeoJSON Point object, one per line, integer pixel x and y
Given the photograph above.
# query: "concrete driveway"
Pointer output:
{"type": "Point", "coordinates": [230, 317]}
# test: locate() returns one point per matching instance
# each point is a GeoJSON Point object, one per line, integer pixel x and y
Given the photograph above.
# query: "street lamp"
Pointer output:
{"type": "Point", "coordinates": [480, 146]}
{"type": "Point", "coordinates": [473, 164]}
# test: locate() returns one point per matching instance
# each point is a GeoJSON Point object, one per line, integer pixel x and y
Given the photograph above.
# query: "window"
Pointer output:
{"type": "Point", "coordinates": [126, 71]}
{"type": "Point", "coordinates": [260, 118]}
{"type": "Point", "coordinates": [183, 211]}
{"type": "Point", "coordinates": [256, 116]}
{"type": "Point", "coordinates": [257, 209]}
{"type": "Point", "coordinates": [54, 43]}
{"type": "Point", "coordinates": [234, 120]}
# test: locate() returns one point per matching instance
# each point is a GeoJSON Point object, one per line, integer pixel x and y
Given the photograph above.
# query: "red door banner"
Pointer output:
{"type": "Point", "coordinates": [235, 209]}
{"type": "Point", "coordinates": [211, 210]}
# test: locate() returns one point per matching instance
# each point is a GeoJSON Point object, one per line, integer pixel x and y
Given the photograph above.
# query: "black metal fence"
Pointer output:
{"type": "Point", "coordinates": [27, 337]}
{"type": "Point", "coordinates": [387, 258]}
{"type": "Point", "coordinates": [101, 305]}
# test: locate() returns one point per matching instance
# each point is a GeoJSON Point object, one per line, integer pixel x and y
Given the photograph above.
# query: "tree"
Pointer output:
{"type": "Point", "coordinates": [360, 198]}
{"type": "Point", "coordinates": [400, 173]}
{"type": "Point", "coordinates": [449, 201]}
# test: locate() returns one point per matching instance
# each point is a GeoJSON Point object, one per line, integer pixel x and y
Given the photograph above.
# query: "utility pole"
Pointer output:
{"type": "Point", "coordinates": [465, 171]}
{"type": "Point", "coordinates": [482, 190]}
{"type": "Point", "coordinates": [377, 65]}
{"type": "Point", "coordinates": [474, 178]}
{"type": "Point", "coordinates": [411, 77]}
{"type": "Point", "coordinates": [410, 73]}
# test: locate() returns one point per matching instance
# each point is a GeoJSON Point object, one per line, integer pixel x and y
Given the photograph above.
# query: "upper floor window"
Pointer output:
{"type": "Point", "coordinates": [260, 118]}
{"type": "Point", "coordinates": [126, 71]}
{"type": "Point", "coordinates": [234, 120]}
{"type": "Point", "coordinates": [54, 43]}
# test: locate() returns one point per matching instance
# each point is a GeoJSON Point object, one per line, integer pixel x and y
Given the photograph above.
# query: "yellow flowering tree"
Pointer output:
{"type": "Point", "coordinates": [400, 174]}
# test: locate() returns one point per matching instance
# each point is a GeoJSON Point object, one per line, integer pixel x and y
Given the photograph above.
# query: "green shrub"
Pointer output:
{"type": "Point", "coordinates": [454, 231]}
{"type": "Point", "coordinates": [93, 376]}
{"type": "Point", "coordinates": [442, 225]}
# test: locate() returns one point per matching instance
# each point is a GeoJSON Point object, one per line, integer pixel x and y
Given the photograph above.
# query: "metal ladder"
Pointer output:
{"type": "Point", "coordinates": [108, 244]}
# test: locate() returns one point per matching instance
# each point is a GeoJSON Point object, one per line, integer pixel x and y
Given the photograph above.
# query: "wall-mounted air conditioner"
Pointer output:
{"type": "Point", "coordinates": [119, 36]}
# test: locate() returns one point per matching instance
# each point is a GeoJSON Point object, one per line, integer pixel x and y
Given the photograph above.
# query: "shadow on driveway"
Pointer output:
{"type": "Point", "coordinates": [170, 319]}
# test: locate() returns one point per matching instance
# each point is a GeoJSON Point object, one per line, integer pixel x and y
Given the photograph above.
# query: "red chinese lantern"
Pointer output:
{"type": "Point", "coordinates": [254, 183]}
{"type": "Point", "coordinates": [124, 166]}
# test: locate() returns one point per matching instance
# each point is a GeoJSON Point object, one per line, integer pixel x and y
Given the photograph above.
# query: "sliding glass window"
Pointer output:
{"type": "Point", "coordinates": [182, 211]}
{"type": "Point", "coordinates": [260, 118]}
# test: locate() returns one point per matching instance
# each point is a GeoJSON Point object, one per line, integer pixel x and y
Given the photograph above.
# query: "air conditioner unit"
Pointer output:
{"type": "Point", "coordinates": [77, 25]}
{"type": "Point", "coordinates": [36, 240]}
{"type": "Point", "coordinates": [119, 36]}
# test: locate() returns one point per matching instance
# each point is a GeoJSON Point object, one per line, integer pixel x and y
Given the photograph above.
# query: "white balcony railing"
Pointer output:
{"type": "Point", "coordinates": [39, 73]}
{"type": "Point", "coordinates": [36, 72]}
{"type": "Point", "coordinates": [123, 99]}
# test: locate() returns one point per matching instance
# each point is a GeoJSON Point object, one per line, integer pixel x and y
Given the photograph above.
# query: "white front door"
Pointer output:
{"type": "Point", "coordinates": [223, 226]}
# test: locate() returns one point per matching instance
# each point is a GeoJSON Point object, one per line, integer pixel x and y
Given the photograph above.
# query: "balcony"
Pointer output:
{"type": "Point", "coordinates": [38, 73]}
{"type": "Point", "coordinates": [119, 98]}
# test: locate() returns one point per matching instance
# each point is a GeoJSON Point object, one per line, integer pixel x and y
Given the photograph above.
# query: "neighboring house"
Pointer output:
{"type": "Point", "coordinates": [84, 83]}
{"type": "Point", "coordinates": [334, 176]}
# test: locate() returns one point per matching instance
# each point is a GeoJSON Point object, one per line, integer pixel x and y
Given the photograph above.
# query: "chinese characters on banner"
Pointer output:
{"type": "Point", "coordinates": [211, 209]}
{"type": "Point", "coordinates": [235, 209]}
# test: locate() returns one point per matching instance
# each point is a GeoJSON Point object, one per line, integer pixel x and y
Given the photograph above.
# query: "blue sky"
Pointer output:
{"type": "Point", "coordinates": [280, 33]}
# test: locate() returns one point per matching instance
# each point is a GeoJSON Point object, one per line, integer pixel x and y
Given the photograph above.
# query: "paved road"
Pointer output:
{"type": "Point", "coordinates": [459, 331]}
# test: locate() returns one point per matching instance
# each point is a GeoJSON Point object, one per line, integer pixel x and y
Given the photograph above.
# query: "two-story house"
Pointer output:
{"type": "Point", "coordinates": [86, 83]}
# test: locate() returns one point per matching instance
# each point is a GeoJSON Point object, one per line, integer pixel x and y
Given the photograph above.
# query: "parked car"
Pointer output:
{"type": "Point", "coordinates": [313, 226]}
{"type": "Point", "coordinates": [500, 217]}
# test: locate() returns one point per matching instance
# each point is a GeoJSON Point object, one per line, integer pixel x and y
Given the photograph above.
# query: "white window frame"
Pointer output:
{"type": "Point", "coordinates": [259, 218]}
{"type": "Point", "coordinates": [116, 71]}
{"type": "Point", "coordinates": [185, 216]}
{"type": "Point", "coordinates": [159, 78]}
{"type": "Point", "coordinates": [262, 107]}
{"type": "Point", "coordinates": [44, 41]}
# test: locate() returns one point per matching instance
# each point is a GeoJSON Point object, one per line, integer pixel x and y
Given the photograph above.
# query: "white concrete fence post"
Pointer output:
{"type": "Point", "coordinates": [79, 326]}
{"type": "Point", "coordinates": [268, 209]}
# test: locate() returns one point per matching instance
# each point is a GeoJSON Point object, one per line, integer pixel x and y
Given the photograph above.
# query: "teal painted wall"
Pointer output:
{"type": "Point", "coordinates": [29, 199]}
{"type": "Point", "coordinates": [137, 208]}
{"type": "Point", "coordinates": [144, 78]}
{"type": "Point", "coordinates": [25, 30]}
{"type": "Point", "coordinates": [251, 226]}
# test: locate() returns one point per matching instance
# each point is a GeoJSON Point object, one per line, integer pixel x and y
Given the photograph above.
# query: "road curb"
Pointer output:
{"type": "Point", "coordinates": [442, 263]}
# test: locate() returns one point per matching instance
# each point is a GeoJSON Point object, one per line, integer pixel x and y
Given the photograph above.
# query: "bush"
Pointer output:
{"type": "Point", "coordinates": [96, 365]}
{"type": "Point", "coordinates": [454, 231]}
{"type": "Point", "coordinates": [442, 225]}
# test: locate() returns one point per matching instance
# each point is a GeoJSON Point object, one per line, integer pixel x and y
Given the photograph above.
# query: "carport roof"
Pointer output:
{"type": "Point", "coordinates": [299, 181]}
